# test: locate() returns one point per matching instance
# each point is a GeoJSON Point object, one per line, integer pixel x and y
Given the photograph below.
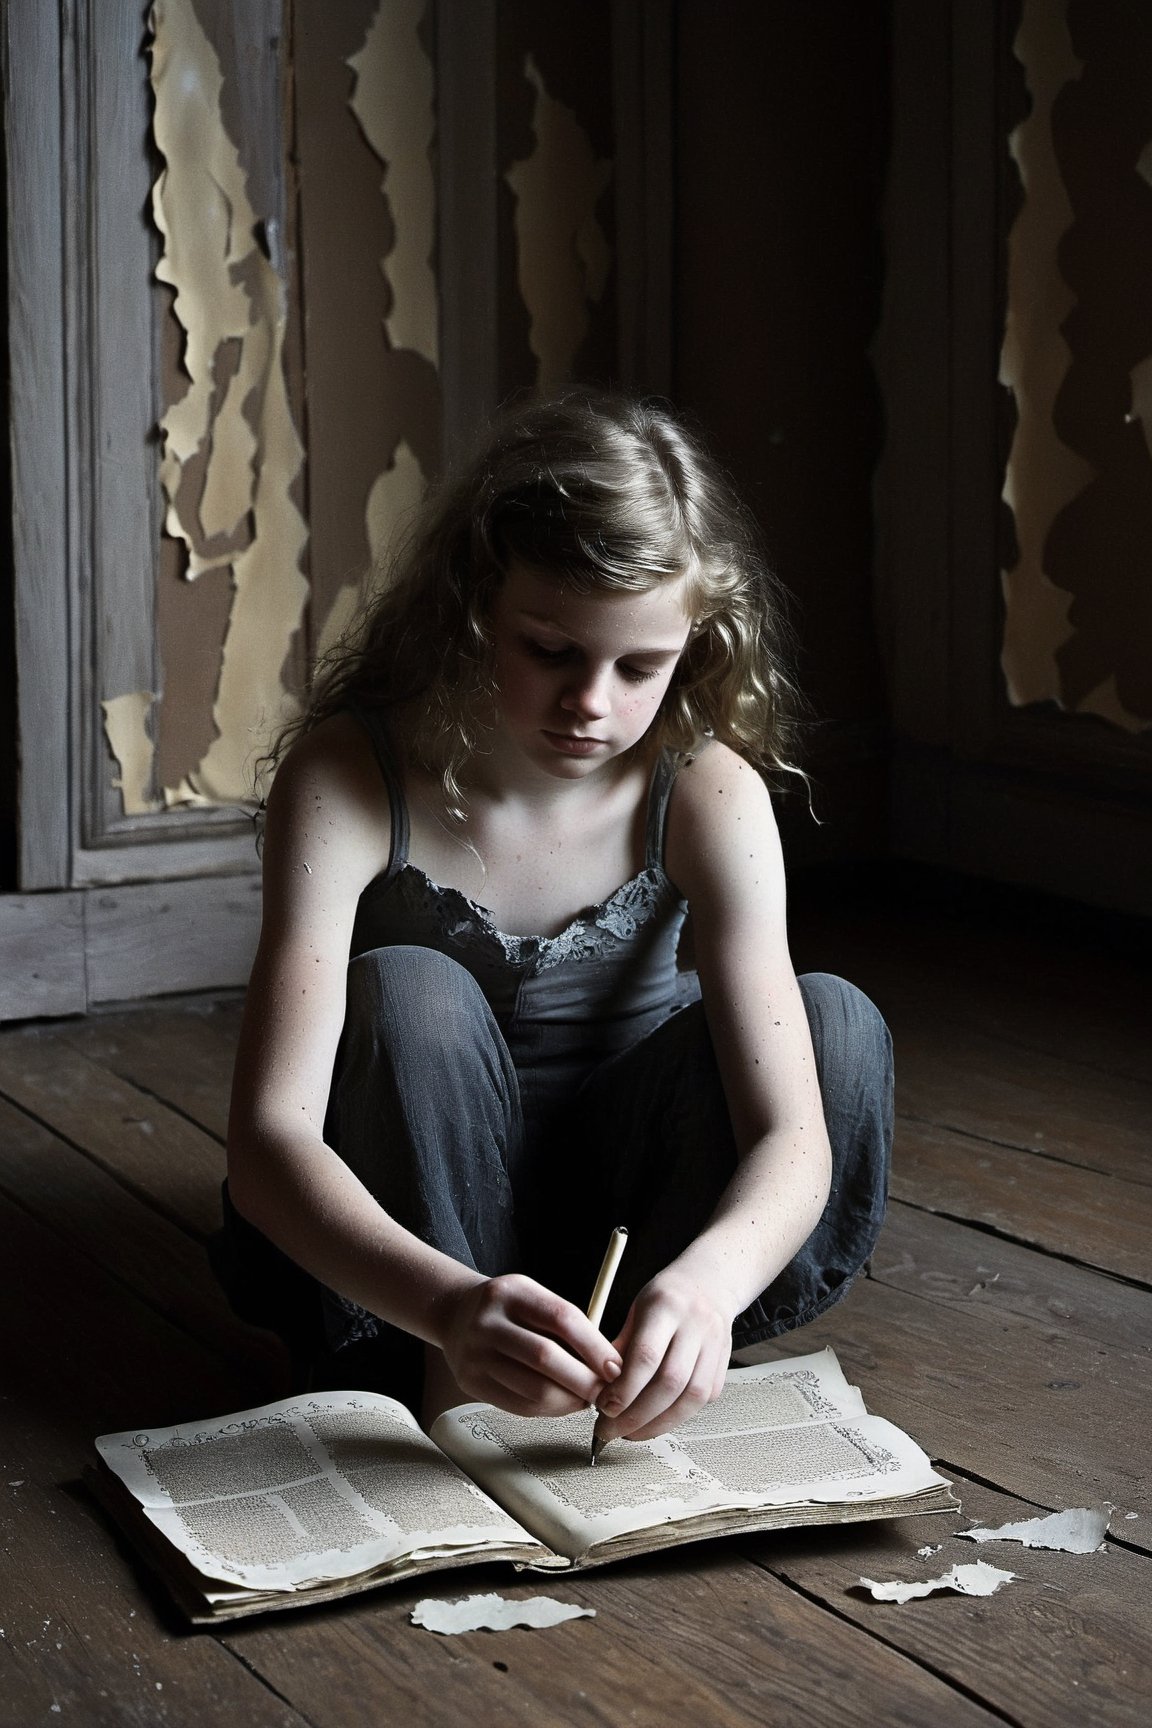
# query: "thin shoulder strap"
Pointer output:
{"type": "Point", "coordinates": [659, 792]}
{"type": "Point", "coordinates": [374, 725]}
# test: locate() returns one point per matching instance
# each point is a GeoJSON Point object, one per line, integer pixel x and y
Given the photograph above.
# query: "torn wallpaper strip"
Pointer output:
{"type": "Point", "coordinates": [126, 729]}
{"type": "Point", "coordinates": [394, 101]}
{"type": "Point", "coordinates": [230, 303]}
{"type": "Point", "coordinates": [1043, 474]}
{"type": "Point", "coordinates": [564, 255]}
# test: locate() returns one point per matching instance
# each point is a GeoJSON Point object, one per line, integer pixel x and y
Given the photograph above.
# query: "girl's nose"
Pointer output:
{"type": "Point", "coordinates": [588, 696]}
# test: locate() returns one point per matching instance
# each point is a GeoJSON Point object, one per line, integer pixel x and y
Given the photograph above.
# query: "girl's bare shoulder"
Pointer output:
{"type": "Point", "coordinates": [329, 799]}
{"type": "Point", "coordinates": [710, 785]}
{"type": "Point", "coordinates": [720, 818]}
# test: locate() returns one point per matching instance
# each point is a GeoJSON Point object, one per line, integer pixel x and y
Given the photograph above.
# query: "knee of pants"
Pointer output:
{"type": "Point", "coordinates": [851, 1040]}
{"type": "Point", "coordinates": [428, 998]}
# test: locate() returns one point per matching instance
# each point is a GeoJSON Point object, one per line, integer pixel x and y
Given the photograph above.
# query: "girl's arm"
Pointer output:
{"type": "Point", "coordinates": [504, 1338]}
{"type": "Point", "coordinates": [723, 852]}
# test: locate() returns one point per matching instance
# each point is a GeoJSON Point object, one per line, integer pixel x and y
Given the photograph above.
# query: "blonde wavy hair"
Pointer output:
{"type": "Point", "coordinates": [610, 495]}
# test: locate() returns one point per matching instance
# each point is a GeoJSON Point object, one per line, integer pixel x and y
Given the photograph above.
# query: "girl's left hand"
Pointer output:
{"type": "Point", "coordinates": [676, 1343]}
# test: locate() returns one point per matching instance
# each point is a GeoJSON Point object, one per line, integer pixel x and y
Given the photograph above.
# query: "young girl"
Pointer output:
{"type": "Point", "coordinates": [468, 1051]}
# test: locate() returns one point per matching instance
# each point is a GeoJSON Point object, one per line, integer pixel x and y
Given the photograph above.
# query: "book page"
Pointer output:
{"type": "Point", "coordinates": [539, 1468]}
{"type": "Point", "coordinates": [782, 1434]}
{"type": "Point", "coordinates": [322, 1487]}
{"type": "Point", "coordinates": [777, 1395]}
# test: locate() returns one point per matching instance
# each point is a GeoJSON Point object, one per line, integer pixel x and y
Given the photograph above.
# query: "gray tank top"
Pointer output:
{"type": "Point", "coordinates": [564, 1003]}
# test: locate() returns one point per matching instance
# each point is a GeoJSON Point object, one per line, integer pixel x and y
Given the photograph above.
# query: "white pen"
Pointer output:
{"type": "Point", "coordinates": [613, 1254]}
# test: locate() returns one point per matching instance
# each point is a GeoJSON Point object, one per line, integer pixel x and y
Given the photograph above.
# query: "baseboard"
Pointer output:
{"type": "Point", "coordinates": [1031, 830]}
{"type": "Point", "coordinates": [63, 953]}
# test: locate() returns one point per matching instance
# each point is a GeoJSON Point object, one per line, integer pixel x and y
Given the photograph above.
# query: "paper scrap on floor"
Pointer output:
{"type": "Point", "coordinates": [494, 1613]}
{"type": "Point", "coordinates": [978, 1579]}
{"type": "Point", "coordinates": [1077, 1531]}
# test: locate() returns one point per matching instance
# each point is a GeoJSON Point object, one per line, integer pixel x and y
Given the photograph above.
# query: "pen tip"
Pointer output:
{"type": "Point", "coordinates": [598, 1445]}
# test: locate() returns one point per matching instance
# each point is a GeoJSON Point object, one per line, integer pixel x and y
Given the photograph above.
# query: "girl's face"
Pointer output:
{"type": "Point", "coordinates": [581, 676]}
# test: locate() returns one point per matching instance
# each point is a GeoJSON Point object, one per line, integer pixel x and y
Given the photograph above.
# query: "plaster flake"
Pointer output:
{"type": "Point", "coordinates": [126, 729]}
{"type": "Point", "coordinates": [392, 501]}
{"type": "Point", "coordinates": [563, 253]}
{"type": "Point", "coordinates": [394, 101]}
{"type": "Point", "coordinates": [1042, 473]}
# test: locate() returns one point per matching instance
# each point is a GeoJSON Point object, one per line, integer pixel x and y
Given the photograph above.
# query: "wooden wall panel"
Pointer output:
{"type": "Point", "coordinates": [42, 946]}
{"type": "Point", "coordinates": [780, 153]}
{"type": "Point", "coordinates": [468, 188]}
{"type": "Point", "coordinates": [161, 938]}
{"type": "Point", "coordinates": [37, 444]}
{"type": "Point", "coordinates": [1026, 794]}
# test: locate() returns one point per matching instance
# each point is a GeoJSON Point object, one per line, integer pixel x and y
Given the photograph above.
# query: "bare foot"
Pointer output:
{"type": "Point", "coordinates": [440, 1389]}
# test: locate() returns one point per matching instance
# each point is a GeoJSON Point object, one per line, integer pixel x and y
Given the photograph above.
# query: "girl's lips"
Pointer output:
{"type": "Point", "coordinates": [572, 745]}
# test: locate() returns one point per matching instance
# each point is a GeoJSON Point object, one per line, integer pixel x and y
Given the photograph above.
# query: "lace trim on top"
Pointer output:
{"type": "Point", "coordinates": [590, 936]}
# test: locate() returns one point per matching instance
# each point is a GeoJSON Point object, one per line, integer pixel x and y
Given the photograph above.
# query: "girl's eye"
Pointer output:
{"type": "Point", "coordinates": [540, 652]}
{"type": "Point", "coordinates": [563, 656]}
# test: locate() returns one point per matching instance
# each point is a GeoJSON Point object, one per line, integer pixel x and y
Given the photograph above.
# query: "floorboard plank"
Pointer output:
{"type": "Point", "coordinates": [979, 1085]}
{"type": "Point", "coordinates": [181, 1056]}
{"type": "Point", "coordinates": [145, 1145]}
{"type": "Point", "coordinates": [1023, 1086]}
{"type": "Point", "coordinates": [1068, 996]}
{"type": "Point", "coordinates": [1098, 1220]}
{"type": "Point", "coordinates": [115, 1364]}
{"type": "Point", "coordinates": [984, 1275]}
{"type": "Point", "coordinates": [677, 1640]}
{"type": "Point", "coordinates": [1052, 1419]}
{"type": "Point", "coordinates": [1075, 1624]}
{"type": "Point", "coordinates": [86, 1637]}
{"type": "Point", "coordinates": [96, 1216]}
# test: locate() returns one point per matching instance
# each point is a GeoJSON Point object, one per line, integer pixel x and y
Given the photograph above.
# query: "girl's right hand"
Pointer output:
{"type": "Point", "coordinates": [509, 1341]}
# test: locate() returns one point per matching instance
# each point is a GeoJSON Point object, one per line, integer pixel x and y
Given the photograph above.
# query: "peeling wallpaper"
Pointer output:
{"type": "Point", "coordinates": [301, 408]}
{"type": "Point", "coordinates": [230, 452]}
{"type": "Point", "coordinates": [563, 252]}
{"type": "Point", "coordinates": [1077, 357]}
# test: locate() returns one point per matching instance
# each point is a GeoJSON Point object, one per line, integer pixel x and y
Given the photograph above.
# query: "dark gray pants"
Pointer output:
{"type": "Point", "coordinates": [426, 1110]}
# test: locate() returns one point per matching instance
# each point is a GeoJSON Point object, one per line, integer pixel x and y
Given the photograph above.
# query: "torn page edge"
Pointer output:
{"type": "Point", "coordinates": [1080, 1530]}
{"type": "Point", "coordinates": [977, 1579]}
{"type": "Point", "coordinates": [494, 1613]}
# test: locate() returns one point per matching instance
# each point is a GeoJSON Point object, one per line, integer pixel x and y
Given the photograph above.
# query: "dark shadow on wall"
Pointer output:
{"type": "Point", "coordinates": [7, 582]}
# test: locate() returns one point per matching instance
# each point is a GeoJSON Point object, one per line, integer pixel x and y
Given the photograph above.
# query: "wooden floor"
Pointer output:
{"type": "Point", "coordinates": [1007, 1324]}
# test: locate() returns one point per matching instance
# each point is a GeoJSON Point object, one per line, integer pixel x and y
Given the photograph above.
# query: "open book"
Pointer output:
{"type": "Point", "coordinates": [320, 1496]}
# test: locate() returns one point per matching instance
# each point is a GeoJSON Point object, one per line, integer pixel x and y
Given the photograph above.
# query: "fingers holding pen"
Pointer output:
{"type": "Point", "coordinates": [519, 1345]}
{"type": "Point", "coordinates": [676, 1345]}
